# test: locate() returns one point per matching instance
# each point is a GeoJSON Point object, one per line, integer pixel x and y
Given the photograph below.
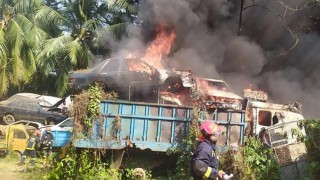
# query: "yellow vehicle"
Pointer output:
{"type": "Point", "coordinates": [14, 138]}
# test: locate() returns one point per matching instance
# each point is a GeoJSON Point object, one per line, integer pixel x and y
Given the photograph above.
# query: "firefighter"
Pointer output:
{"type": "Point", "coordinates": [204, 160]}
{"type": "Point", "coordinates": [46, 143]}
{"type": "Point", "coordinates": [33, 145]}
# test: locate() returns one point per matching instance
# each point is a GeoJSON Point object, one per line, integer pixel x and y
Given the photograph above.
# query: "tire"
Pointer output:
{"type": "Point", "coordinates": [17, 155]}
{"type": "Point", "coordinates": [139, 173]}
{"type": "Point", "coordinates": [8, 119]}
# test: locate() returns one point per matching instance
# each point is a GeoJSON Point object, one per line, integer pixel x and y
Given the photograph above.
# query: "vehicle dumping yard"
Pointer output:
{"type": "Point", "coordinates": [159, 90]}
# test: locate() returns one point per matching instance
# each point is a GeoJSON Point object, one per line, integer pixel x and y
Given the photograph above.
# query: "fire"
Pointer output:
{"type": "Point", "coordinates": [135, 65]}
{"type": "Point", "coordinates": [160, 46]}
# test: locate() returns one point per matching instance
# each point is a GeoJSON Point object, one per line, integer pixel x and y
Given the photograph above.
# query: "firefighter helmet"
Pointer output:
{"type": "Point", "coordinates": [208, 127]}
{"type": "Point", "coordinates": [37, 132]}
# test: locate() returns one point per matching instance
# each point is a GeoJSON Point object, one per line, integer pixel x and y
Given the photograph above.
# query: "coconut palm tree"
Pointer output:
{"type": "Point", "coordinates": [78, 42]}
{"type": "Point", "coordinates": [20, 41]}
{"type": "Point", "coordinates": [36, 39]}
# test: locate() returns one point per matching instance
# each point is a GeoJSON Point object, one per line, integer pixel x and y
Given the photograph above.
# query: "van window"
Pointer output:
{"type": "Point", "coordinates": [278, 116]}
{"type": "Point", "coordinates": [19, 134]}
{"type": "Point", "coordinates": [264, 118]}
{"type": "Point", "coordinates": [67, 123]}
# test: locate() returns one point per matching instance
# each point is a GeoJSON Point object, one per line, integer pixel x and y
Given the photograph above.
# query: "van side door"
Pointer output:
{"type": "Point", "coordinates": [17, 139]}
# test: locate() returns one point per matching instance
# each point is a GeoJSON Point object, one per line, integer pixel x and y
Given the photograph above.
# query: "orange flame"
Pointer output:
{"type": "Point", "coordinates": [159, 47]}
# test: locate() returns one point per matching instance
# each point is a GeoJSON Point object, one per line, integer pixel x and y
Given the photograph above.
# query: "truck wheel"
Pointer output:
{"type": "Point", "coordinates": [17, 154]}
{"type": "Point", "coordinates": [139, 173]}
{"type": "Point", "coordinates": [8, 119]}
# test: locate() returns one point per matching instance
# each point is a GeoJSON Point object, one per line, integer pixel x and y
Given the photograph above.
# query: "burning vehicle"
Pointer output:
{"type": "Point", "coordinates": [207, 93]}
{"type": "Point", "coordinates": [132, 78]}
{"type": "Point", "coordinates": [217, 94]}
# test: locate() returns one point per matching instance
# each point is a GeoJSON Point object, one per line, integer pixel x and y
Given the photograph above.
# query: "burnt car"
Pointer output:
{"type": "Point", "coordinates": [26, 108]}
{"type": "Point", "coordinates": [131, 78]}
{"type": "Point", "coordinates": [217, 94]}
{"type": "Point", "coordinates": [204, 92]}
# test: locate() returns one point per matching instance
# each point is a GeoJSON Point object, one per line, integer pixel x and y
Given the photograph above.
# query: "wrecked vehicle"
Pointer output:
{"type": "Point", "coordinates": [217, 94]}
{"type": "Point", "coordinates": [132, 78]}
{"type": "Point", "coordinates": [261, 114]}
{"type": "Point", "coordinates": [45, 101]}
{"type": "Point", "coordinates": [25, 108]}
{"type": "Point", "coordinates": [14, 138]}
{"type": "Point", "coordinates": [207, 93]}
{"type": "Point", "coordinates": [275, 125]}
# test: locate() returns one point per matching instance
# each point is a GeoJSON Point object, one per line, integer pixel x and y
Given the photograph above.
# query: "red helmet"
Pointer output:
{"type": "Point", "coordinates": [208, 127]}
{"type": "Point", "coordinates": [37, 132]}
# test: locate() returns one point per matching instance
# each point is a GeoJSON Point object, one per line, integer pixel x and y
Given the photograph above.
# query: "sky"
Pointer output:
{"type": "Point", "coordinates": [274, 51]}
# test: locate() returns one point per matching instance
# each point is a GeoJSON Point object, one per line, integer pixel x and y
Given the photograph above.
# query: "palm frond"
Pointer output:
{"type": "Point", "coordinates": [62, 83]}
{"type": "Point", "coordinates": [15, 37]}
{"type": "Point", "coordinates": [36, 38]}
{"type": "Point", "coordinates": [23, 22]}
{"type": "Point", "coordinates": [91, 24]}
{"type": "Point", "coordinates": [27, 6]}
{"type": "Point", "coordinates": [116, 30]}
{"type": "Point", "coordinates": [123, 4]}
{"type": "Point", "coordinates": [3, 47]}
{"type": "Point", "coordinates": [75, 49]}
{"type": "Point", "coordinates": [47, 17]}
{"type": "Point", "coordinates": [79, 53]}
{"type": "Point", "coordinates": [3, 81]}
{"type": "Point", "coordinates": [54, 45]}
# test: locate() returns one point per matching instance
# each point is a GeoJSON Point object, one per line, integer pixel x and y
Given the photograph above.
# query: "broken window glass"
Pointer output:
{"type": "Point", "coordinates": [264, 118]}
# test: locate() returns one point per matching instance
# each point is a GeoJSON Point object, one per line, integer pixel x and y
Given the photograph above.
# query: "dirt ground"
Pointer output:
{"type": "Point", "coordinates": [9, 169]}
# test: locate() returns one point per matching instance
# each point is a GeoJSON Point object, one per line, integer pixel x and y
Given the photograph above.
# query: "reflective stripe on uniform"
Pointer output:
{"type": "Point", "coordinates": [30, 144]}
{"type": "Point", "coordinates": [207, 174]}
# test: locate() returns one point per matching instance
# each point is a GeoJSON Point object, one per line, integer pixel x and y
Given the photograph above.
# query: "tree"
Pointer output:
{"type": "Point", "coordinates": [38, 37]}
{"type": "Point", "coordinates": [78, 41]}
{"type": "Point", "coordinates": [20, 41]}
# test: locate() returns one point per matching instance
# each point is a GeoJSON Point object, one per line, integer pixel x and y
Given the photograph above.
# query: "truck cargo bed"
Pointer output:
{"type": "Point", "coordinates": [152, 126]}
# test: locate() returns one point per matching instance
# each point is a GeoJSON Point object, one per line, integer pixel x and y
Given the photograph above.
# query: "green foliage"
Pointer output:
{"type": "Point", "coordinates": [312, 142]}
{"type": "Point", "coordinates": [297, 132]}
{"type": "Point", "coordinates": [80, 166]}
{"type": "Point", "coordinates": [253, 161]}
{"type": "Point", "coordinates": [259, 160]}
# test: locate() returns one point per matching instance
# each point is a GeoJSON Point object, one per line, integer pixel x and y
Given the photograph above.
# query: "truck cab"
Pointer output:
{"type": "Point", "coordinates": [14, 137]}
{"type": "Point", "coordinates": [277, 120]}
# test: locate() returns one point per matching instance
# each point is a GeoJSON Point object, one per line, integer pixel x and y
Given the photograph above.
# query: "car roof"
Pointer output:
{"type": "Point", "coordinates": [50, 99]}
{"type": "Point", "coordinates": [208, 79]}
{"type": "Point", "coordinates": [28, 123]}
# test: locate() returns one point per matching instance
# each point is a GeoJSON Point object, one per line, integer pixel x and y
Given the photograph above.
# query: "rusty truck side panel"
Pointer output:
{"type": "Point", "coordinates": [157, 127]}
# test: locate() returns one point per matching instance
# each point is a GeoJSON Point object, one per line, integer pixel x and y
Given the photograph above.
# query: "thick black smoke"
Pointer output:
{"type": "Point", "coordinates": [264, 55]}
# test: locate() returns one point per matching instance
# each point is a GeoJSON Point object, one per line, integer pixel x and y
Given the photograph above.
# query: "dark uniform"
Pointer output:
{"type": "Point", "coordinates": [47, 141]}
{"type": "Point", "coordinates": [204, 161]}
{"type": "Point", "coordinates": [33, 145]}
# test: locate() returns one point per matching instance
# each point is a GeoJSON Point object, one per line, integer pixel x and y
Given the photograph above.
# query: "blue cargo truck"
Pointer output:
{"type": "Point", "coordinates": [156, 127]}
{"type": "Point", "coordinates": [147, 126]}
